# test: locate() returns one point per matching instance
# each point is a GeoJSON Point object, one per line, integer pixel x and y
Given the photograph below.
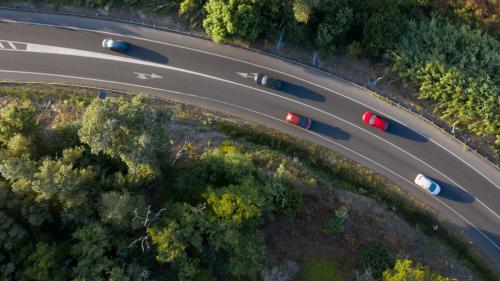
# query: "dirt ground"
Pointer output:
{"type": "Point", "coordinates": [303, 238]}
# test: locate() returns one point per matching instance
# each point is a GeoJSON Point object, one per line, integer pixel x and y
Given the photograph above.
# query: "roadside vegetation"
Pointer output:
{"type": "Point", "coordinates": [447, 50]}
{"type": "Point", "coordinates": [135, 189]}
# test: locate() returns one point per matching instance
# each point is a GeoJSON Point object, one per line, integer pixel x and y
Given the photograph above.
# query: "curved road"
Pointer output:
{"type": "Point", "coordinates": [49, 48]}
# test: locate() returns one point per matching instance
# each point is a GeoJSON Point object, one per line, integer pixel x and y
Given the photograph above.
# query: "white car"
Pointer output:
{"type": "Point", "coordinates": [427, 184]}
{"type": "Point", "coordinates": [115, 45]}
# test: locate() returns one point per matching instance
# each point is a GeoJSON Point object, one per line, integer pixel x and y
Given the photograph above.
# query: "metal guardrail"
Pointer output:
{"type": "Point", "coordinates": [166, 28]}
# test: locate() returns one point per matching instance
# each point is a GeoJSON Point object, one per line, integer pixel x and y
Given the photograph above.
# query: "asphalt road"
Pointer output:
{"type": "Point", "coordinates": [202, 73]}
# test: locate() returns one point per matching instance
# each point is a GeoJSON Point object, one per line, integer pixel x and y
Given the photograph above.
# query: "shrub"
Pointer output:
{"type": "Point", "coordinates": [336, 224]}
{"type": "Point", "coordinates": [375, 256]}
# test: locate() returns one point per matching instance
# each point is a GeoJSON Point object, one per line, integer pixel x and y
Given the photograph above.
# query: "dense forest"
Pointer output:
{"type": "Point", "coordinates": [448, 50]}
{"type": "Point", "coordinates": [107, 197]}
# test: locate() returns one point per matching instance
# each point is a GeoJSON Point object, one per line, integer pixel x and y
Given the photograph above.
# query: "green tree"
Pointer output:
{"type": "Point", "coordinates": [91, 250]}
{"type": "Point", "coordinates": [42, 264]}
{"type": "Point", "coordinates": [129, 131]}
{"type": "Point", "coordinates": [117, 208]}
{"type": "Point", "coordinates": [192, 10]}
{"type": "Point", "coordinates": [227, 19]}
{"type": "Point", "coordinates": [404, 270]}
{"type": "Point", "coordinates": [238, 204]}
{"type": "Point", "coordinates": [331, 30]}
{"type": "Point", "coordinates": [383, 27]}
{"type": "Point", "coordinates": [18, 118]}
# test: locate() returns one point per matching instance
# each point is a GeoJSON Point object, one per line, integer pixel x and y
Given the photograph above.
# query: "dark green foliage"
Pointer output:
{"type": "Point", "coordinates": [69, 211]}
{"type": "Point", "coordinates": [331, 30]}
{"type": "Point", "coordinates": [457, 67]}
{"type": "Point", "coordinates": [335, 225]}
{"type": "Point", "coordinates": [375, 256]}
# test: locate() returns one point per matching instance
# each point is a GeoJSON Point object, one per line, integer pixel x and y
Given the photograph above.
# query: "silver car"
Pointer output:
{"type": "Point", "coordinates": [427, 184]}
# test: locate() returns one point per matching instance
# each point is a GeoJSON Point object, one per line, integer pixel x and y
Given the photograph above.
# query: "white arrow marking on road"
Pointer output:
{"type": "Point", "coordinates": [246, 75]}
{"type": "Point", "coordinates": [147, 76]}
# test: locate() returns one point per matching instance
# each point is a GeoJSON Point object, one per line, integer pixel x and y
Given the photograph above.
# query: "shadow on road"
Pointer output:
{"type": "Point", "coordinates": [330, 131]}
{"type": "Point", "coordinates": [402, 131]}
{"type": "Point", "coordinates": [452, 192]}
{"type": "Point", "coordinates": [142, 53]}
{"type": "Point", "coordinates": [301, 92]}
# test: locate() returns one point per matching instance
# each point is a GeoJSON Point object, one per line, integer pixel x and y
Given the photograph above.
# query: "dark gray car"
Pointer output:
{"type": "Point", "coordinates": [266, 80]}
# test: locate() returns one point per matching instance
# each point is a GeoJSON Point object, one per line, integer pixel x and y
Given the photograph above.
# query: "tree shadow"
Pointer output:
{"type": "Point", "coordinates": [451, 192]}
{"type": "Point", "coordinates": [330, 131]}
{"type": "Point", "coordinates": [402, 131]}
{"type": "Point", "coordinates": [300, 92]}
{"type": "Point", "coordinates": [142, 53]}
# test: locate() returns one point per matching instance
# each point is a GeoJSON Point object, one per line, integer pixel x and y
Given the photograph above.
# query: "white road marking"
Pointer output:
{"type": "Point", "coordinates": [246, 75]}
{"type": "Point", "coordinates": [263, 67]}
{"type": "Point", "coordinates": [12, 45]}
{"type": "Point", "coordinates": [145, 76]}
{"type": "Point", "coordinates": [1, 46]}
{"type": "Point", "coordinates": [38, 48]}
{"type": "Point", "coordinates": [267, 116]}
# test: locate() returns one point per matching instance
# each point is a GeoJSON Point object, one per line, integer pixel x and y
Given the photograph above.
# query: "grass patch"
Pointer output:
{"type": "Point", "coordinates": [319, 269]}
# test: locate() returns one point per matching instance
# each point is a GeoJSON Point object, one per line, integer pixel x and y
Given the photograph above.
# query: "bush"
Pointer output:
{"type": "Point", "coordinates": [336, 224]}
{"type": "Point", "coordinates": [375, 256]}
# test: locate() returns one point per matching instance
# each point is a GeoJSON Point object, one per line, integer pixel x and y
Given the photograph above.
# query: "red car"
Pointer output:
{"type": "Point", "coordinates": [298, 120]}
{"type": "Point", "coordinates": [373, 120]}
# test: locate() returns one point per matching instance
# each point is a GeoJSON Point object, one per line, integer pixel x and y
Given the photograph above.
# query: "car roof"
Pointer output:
{"type": "Point", "coordinates": [293, 117]}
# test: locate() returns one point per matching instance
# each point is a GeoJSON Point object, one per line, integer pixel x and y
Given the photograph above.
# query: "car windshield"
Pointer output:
{"type": "Point", "coordinates": [372, 119]}
{"type": "Point", "coordinates": [303, 122]}
{"type": "Point", "coordinates": [432, 187]}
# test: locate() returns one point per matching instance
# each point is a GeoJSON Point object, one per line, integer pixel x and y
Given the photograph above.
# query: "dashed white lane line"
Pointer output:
{"type": "Point", "coordinates": [263, 67]}
{"type": "Point", "coordinates": [267, 116]}
{"type": "Point", "coordinates": [47, 49]}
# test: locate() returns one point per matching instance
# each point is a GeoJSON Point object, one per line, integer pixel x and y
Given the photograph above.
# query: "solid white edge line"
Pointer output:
{"type": "Point", "coordinates": [263, 67]}
{"type": "Point", "coordinates": [267, 116]}
{"type": "Point", "coordinates": [47, 49]}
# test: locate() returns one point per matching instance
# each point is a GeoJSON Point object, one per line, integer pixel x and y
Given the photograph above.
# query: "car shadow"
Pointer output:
{"type": "Point", "coordinates": [330, 131]}
{"type": "Point", "coordinates": [402, 131]}
{"type": "Point", "coordinates": [300, 92]}
{"type": "Point", "coordinates": [142, 53]}
{"type": "Point", "coordinates": [451, 192]}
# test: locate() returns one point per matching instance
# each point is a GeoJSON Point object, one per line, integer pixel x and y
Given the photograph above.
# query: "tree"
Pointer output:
{"type": "Point", "coordinates": [93, 242]}
{"type": "Point", "coordinates": [381, 30]}
{"type": "Point", "coordinates": [227, 19]}
{"type": "Point", "coordinates": [192, 10]}
{"type": "Point", "coordinates": [18, 118]}
{"type": "Point", "coordinates": [239, 204]}
{"type": "Point", "coordinates": [331, 30]}
{"type": "Point", "coordinates": [42, 264]}
{"type": "Point", "coordinates": [117, 208]}
{"type": "Point", "coordinates": [404, 270]}
{"type": "Point", "coordinates": [129, 131]}
{"type": "Point", "coordinates": [302, 9]}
